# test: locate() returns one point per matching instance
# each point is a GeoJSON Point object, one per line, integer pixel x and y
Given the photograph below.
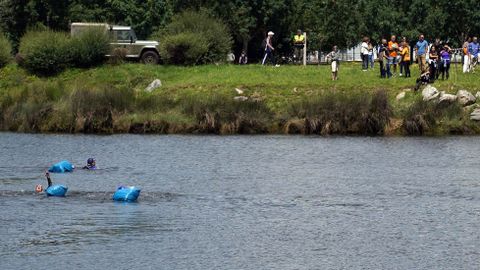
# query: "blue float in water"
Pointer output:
{"type": "Point", "coordinates": [62, 167]}
{"type": "Point", "coordinates": [126, 194]}
{"type": "Point", "coordinates": [56, 191]}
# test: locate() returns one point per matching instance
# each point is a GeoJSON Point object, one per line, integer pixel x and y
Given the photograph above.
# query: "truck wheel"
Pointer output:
{"type": "Point", "coordinates": [150, 58]}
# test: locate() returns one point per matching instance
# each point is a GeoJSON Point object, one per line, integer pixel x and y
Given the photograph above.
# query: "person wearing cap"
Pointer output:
{"type": "Point", "coordinates": [269, 49]}
{"type": "Point", "coordinates": [334, 58]}
{"type": "Point", "coordinates": [298, 45]}
{"type": "Point", "coordinates": [91, 164]}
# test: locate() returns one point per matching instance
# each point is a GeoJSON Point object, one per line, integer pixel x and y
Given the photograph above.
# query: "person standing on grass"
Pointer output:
{"type": "Point", "coordinates": [383, 56]}
{"type": "Point", "coordinates": [393, 48]}
{"type": "Point", "coordinates": [473, 50]}
{"type": "Point", "coordinates": [334, 58]}
{"type": "Point", "coordinates": [433, 55]}
{"type": "Point", "coordinates": [445, 61]}
{"type": "Point", "coordinates": [269, 49]}
{"type": "Point", "coordinates": [364, 53]}
{"type": "Point", "coordinates": [243, 59]}
{"type": "Point", "coordinates": [405, 62]}
{"type": "Point", "coordinates": [466, 55]}
{"type": "Point", "coordinates": [371, 56]}
{"type": "Point", "coordinates": [298, 46]}
{"type": "Point", "coordinates": [421, 53]}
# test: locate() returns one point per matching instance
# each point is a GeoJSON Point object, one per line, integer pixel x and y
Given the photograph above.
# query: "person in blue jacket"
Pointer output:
{"type": "Point", "coordinates": [91, 165]}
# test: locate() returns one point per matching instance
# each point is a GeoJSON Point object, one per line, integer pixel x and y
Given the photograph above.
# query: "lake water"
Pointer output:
{"type": "Point", "coordinates": [242, 202]}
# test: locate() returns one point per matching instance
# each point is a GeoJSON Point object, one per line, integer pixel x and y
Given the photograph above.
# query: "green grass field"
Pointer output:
{"type": "Point", "coordinates": [58, 104]}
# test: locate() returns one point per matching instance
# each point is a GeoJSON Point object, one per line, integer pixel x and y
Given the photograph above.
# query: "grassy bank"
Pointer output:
{"type": "Point", "coordinates": [288, 99]}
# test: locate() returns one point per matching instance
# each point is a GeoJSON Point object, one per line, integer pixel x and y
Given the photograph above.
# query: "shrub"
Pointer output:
{"type": "Point", "coordinates": [221, 114]}
{"type": "Point", "coordinates": [5, 50]}
{"type": "Point", "coordinates": [341, 113]}
{"type": "Point", "coordinates": [45, 53]}
{"type": "Point", "coordinates": [424, 117]}
{"type": "Point", "coordinates": [184, 49]}
{"type": "Point", "coordinates": [118, 56]}
{"type": "Point", "coordinates": [196, 26]}
{"type": "Point", "coordinates": [89, 48]}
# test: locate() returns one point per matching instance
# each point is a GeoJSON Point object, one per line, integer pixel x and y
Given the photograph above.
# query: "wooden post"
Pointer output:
{"type": "Point", "coordinates": [305, 49]}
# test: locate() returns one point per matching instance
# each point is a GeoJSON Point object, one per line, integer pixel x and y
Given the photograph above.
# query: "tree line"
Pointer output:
{"type": "Point", "coordinates": [328, 22]}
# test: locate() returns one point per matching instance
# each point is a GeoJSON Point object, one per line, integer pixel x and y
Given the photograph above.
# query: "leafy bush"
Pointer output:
{"type": "Point", "coordinates": [5, 51]}
{"type": "Point", "coordinates": [184, 48]}
{"type": "Point", "coordinates": [190, 27]}
{"type": "Point", "coordinates": [45, 52]}
{"type": "Point", "coordinates": [89, 48]}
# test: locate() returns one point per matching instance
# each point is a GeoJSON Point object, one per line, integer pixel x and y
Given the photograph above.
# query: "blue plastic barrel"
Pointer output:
{"type": "Point", "coordinates": [62, 167]}
{"type": "Point", "coordinates": [56, 191]}
{"type": "Point", "coordinates": [126, 194]}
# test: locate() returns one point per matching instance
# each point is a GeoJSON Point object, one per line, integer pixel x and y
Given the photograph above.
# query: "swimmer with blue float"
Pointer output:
{"type": "Point", "coordinates": [52, 190]}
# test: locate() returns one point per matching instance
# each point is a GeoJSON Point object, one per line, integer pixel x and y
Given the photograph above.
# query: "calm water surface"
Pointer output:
{"type": "Point", "coordinates": [266, 202]}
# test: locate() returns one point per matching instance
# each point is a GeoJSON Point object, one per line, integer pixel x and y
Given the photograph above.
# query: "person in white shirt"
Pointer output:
{"type": "Point", "coordinates": [364, 53]}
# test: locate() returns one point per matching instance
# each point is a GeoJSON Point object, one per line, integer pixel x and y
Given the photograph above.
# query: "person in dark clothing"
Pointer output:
{"type": "Point", "coordinates": [423, 80]}
{"type": "Point", "coordinates": [49, 181]}
{"type": "Point", "coordinates": [91, 164]}
{"type": "Point", "coordinates": [243, 59]}
{"type": "Point", "coordinates": [383, 55]}
{"type": "Point", "coordinates": [433, 63]}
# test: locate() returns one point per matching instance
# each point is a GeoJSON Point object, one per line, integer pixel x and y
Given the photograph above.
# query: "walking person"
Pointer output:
{"type": "Point", "coordinates": [421, 53]}
{"type": "Point", "coordinates": [405, 62]}
{"type": "Point", "coordinates": [445, 61]}
{"type": "Point", "coordinates": [334, 58]}
{"type": "Point", "coordinates": [466, 55]}
{"type": "Point", "coordinates": [269, 49]}
{"type": "Point", "coordinates": [364, 53]}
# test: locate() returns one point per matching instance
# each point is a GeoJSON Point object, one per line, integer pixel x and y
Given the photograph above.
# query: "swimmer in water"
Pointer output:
{"type": "Point", "coordinates": [49, 181]}
{"type": "Point", "coordinates": [91, 165]}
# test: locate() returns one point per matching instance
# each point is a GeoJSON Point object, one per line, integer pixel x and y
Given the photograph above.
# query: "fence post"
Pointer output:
{"type": "Point", "coordinates": [305, 49]}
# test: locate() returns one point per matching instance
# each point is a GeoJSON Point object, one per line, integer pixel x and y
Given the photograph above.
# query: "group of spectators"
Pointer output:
{"type": "Point", "coordinates": [433, 59]}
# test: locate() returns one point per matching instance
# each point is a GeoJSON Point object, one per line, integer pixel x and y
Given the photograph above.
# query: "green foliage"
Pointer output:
{"type": "Point", "coordinates": [203, 38]}
{"type": "Point", "coordinates": [430, 118]}
{"type": "Point", "coordinates": [45, 52]}
{"type": "Point", "coordinates": [5, 51]}
{"type": "Point", "coordinates": [184, 48]}
{"type": "Point", "coordinates": [343, 113]}
{"type": "Point", "coordinates": [89, 48]}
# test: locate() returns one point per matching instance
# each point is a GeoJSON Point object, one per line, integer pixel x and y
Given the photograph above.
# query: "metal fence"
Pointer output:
{"type": "Point", "coordinates": [354, 55]}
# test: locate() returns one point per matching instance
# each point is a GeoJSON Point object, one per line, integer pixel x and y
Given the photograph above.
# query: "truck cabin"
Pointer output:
{"type": "Point", "coordinates": [123, 34]}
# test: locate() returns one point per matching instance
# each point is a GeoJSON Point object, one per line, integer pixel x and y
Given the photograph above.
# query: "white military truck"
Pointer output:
{"type": "Point", "coordinates": [123, 37]}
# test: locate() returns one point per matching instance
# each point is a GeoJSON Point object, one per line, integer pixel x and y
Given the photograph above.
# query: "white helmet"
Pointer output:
{"type": "Point", "coordinates": [271, 33]}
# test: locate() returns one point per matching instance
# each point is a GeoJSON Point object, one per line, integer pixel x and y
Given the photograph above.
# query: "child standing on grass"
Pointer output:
{"type": "Point", "coordinates": [333, 56]}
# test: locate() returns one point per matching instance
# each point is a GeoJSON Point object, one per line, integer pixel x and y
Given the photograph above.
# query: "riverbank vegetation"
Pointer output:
{"type": "Point", "coordinates": [227, 99]}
